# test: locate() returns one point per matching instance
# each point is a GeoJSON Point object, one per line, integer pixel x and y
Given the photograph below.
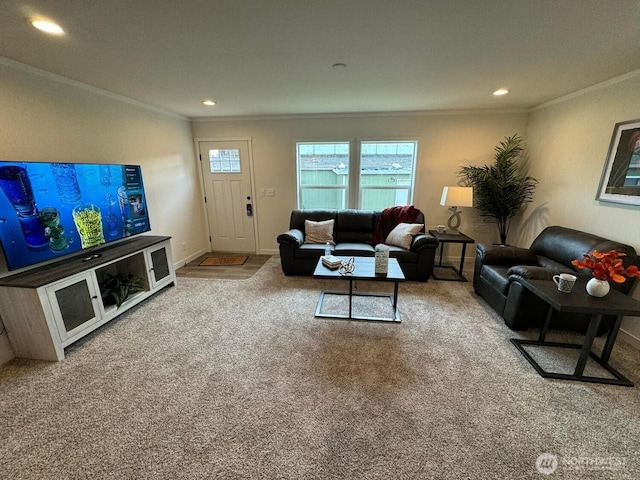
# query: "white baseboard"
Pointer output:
{"type": "Point", "coordinates": [269, 251]}
{"type": "Point", "coordinates": [629, 339]}
{"type": "Point", "coordinates": [182, 262]}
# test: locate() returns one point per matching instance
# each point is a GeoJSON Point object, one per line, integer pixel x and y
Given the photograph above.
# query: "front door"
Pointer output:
{"type": "Point", "coordinates": [227, 184]}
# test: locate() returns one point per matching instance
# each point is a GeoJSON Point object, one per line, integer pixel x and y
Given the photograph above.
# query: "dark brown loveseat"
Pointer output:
{"type": "Point", "coordinates": [353, 233]}
{"type": "Point", "coordinates": [500, 269]}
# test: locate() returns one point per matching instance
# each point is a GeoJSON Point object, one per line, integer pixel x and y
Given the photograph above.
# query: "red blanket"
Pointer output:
{"type": "Point", "coordinates": [390, 218]}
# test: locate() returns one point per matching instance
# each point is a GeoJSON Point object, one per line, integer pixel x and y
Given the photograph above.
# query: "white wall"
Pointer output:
{"type": "Point", "coordinates": [568, 143]}
{"type": "Point", "coordinates": [44, 118]}
{"type": "Point", "coordinates": [447, 141]}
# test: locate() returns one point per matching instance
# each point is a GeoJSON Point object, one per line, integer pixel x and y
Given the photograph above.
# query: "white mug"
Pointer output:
{"type": "Point", "coordinates": [440, 228]}
{"type": "Point", "coordinates": [565, 282]}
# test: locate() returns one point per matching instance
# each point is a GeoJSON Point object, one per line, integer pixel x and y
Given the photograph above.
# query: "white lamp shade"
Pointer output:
{"type": "Point", "coordinates": [457, 197]}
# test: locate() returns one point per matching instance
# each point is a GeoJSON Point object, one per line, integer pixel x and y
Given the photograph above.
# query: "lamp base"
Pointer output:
{"type": "Point", "coordinates": [454, 221]}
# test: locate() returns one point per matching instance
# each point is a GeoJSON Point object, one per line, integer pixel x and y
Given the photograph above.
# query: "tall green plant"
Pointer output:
{"type": "Point", "coordinates": [501, 190]}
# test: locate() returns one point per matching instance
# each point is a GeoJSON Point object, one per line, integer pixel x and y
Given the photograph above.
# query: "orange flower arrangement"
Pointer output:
{"type": "Point", "coordinates": [607, 266]}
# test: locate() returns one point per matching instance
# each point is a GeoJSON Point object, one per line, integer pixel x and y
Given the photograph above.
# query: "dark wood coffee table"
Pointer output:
{"type": "Point", "coordinates": [579, 301]}
{"type": "Point", "coordinates": [365, 270]}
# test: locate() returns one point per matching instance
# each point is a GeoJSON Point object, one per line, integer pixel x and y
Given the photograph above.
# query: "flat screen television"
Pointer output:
{"type": "Point", "coordinates": [51, 210]}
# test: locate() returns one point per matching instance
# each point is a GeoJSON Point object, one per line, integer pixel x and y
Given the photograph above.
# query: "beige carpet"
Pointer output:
{"type": "Point", "coordinates": [237, 380]}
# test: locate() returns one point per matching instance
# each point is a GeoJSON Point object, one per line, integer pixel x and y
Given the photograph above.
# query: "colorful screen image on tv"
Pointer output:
{"type": "Point", "coordinates": [49, 210]}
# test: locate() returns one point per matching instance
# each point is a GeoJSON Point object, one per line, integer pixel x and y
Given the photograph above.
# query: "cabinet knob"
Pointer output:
{"type": "Point", "coordinates": [95, 297]}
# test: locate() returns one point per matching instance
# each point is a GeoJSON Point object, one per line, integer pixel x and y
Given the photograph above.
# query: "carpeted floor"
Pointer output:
{"type": "Point", "coordinates": [237, 380]}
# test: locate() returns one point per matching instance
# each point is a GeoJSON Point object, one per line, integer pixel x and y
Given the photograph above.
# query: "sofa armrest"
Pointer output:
{"type": "Point", "coordinates": [423, 241]}
{"type": "Point", "coordinates": [530, 272]}
{"type": "Point", "coordinates": [293, 237]}
{"type": "Point", "coordinates": [504, 255]}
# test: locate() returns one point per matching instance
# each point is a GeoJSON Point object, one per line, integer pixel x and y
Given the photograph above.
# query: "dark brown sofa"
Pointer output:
{"type": "Point", "coordinates": [500, 269]}
{"type": "Point", "coordinates": [353, 233]}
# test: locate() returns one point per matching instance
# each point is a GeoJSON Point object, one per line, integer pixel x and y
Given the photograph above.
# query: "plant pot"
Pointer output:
{"type": "Point", "coordinates": [597, 287]}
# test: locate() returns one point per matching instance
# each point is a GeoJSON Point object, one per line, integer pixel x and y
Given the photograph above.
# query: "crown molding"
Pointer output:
{"type": "Point", "coordinates": [406, 113]}
{"type": "Point", "coordinates": [588, 90]}
{"type": "Point", "coordinates": [89, 88]}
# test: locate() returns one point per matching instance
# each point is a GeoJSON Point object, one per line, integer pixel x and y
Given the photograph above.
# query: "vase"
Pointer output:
{"type": "Point", "coordinates": [597, 287]}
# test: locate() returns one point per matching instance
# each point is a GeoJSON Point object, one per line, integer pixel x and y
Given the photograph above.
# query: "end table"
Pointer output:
{"type": "Point", "coordinates": [451, 238]}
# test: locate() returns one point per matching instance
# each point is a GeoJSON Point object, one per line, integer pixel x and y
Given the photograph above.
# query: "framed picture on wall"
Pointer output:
{"type": "Point", "coordinates": [620, 182]}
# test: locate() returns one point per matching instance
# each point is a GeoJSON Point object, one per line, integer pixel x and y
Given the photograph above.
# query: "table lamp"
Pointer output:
{"type": "Point", "coordinates": [455, 197]}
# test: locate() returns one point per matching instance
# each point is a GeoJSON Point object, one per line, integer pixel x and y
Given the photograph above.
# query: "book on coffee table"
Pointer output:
{"type": "Point", "coordinates": [331, 261]}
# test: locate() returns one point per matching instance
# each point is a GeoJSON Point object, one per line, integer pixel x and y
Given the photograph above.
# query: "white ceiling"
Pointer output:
{"type": "Point", "coordinates": [274, 57]}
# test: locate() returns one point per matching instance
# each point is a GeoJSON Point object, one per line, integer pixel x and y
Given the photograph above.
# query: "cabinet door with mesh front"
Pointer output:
{"type": "Point", "coordinates": [74, 303]}
{"type": "Point", "coordinates": [160, 264]}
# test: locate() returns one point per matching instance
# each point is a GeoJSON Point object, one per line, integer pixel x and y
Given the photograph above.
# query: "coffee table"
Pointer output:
{"type": "Point", "coordinates": [364, 270]}
{"type": "Point", "coordinates": [614, 303]}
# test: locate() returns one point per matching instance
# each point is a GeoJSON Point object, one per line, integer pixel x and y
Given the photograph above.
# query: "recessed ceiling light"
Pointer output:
{"type": "Point", "coordinates": [209, 103]}
{"type": "Point", "coordinates": [501, 91]}
{"type": "Point", "coordinates": [48, 27]}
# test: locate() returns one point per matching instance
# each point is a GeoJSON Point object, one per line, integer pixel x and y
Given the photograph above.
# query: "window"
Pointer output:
{"type": "Point", "coordinates": [382, 176]}
{"type": "Point", "coordinates": [323, 175]}
{"type": "Point", "coordinates": [386, 174]}
{"type": "Point", "coordinates": [224, 161]}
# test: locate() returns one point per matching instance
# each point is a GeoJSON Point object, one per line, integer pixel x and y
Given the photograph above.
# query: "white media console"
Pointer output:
{"type": "Point", "coordinates": [48, 308]}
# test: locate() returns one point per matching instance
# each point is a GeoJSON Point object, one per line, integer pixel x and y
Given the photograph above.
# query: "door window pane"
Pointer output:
{"type": "Point", "coordinates": [224, 161]}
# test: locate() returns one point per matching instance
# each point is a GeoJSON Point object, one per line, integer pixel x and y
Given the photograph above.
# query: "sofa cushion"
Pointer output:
{"type": "Point", "coordinates": [299, 216]}
{"type": "Point", "coordinates": [564, 244]}
{"type": "Point", "coordinates": [354, 249]}
{"type": "Point", "coordinates": [354, 226]}
{"type": "Point", "coordinates": [309, 251]}
{"type": "Point", "coordinates": [403, 233]}
{"type": "Point", "coordinates": [318, 232]}
{"type": "Point", "coordinates": [557, 267]}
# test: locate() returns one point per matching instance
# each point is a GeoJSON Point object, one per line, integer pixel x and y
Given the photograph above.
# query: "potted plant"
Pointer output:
{"type": "Point", "coordinates": [116, 288]}
{"type": "Point", "coordinates": [501, 190]}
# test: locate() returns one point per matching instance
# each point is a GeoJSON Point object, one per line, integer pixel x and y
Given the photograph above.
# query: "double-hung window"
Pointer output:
{"type": "Point", "coordinates": [386, 174]}
{"type": "Point", "coordinates": [381, 174]}
{"type": "Point", "coordinates": [323, 175]}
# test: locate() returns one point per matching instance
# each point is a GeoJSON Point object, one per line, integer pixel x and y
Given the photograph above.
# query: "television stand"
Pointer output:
{"type": "Point", "coordinates": [50, 307]}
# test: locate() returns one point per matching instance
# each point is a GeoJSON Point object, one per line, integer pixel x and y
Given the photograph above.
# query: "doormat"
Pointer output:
{"type": "Point", "coordinates": [223, 261]}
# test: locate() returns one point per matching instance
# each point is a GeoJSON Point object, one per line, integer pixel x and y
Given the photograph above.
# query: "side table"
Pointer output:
{"type": "Point", "coordinates": [614, 303]}
{"type": "Point", "coordinates": [451, 238]}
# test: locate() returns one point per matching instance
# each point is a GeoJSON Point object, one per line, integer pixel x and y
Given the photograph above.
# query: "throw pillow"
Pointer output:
{"type": "Point", "coordinates": [402, 235]}
{"type": "Point", "coordinates": [319, 232]}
